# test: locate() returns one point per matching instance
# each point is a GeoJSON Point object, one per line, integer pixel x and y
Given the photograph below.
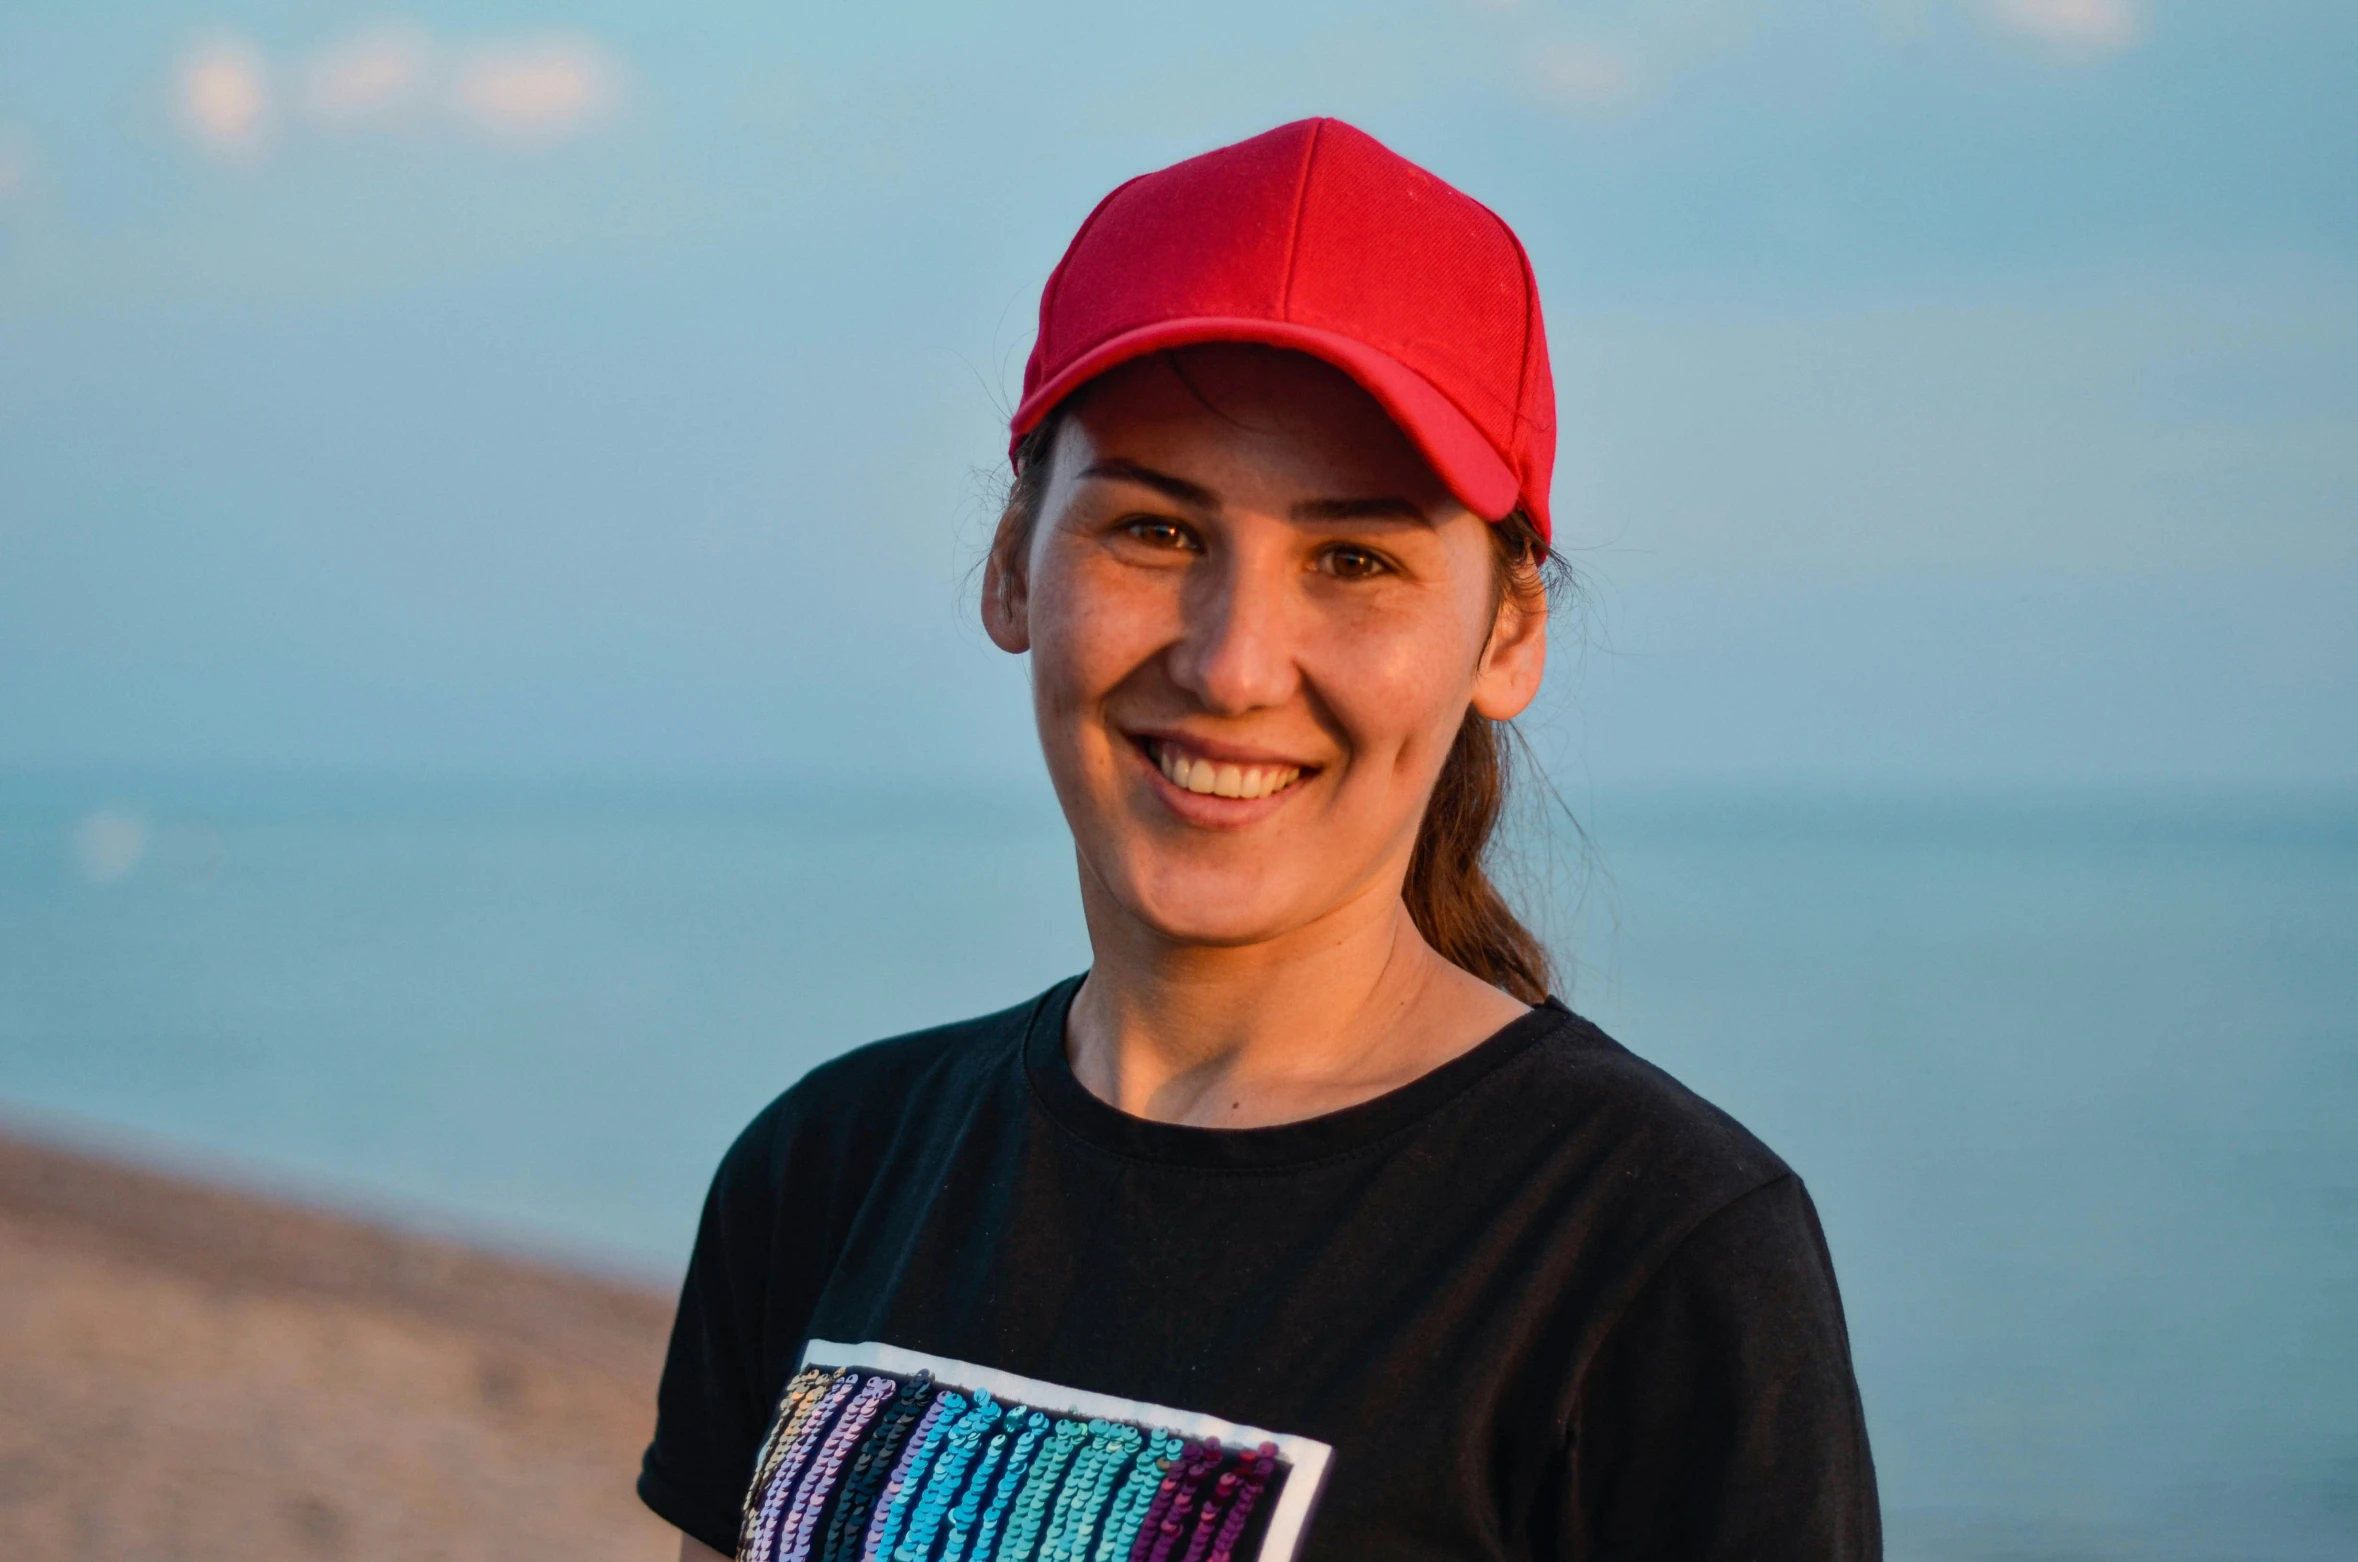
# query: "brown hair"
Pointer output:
{"type": "Point", "coordinates": [1450, 895]}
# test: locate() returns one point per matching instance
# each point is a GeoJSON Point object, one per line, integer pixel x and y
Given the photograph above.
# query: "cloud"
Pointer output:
{"type": "Point", "coordinates": [2075, 26]}
{"type": "Point", "coordinates": [374, 77]}
{"type": "Point", "coordinates": [107, 846]}
{"type": "Point", "coordinates": [16, 167]}
{"type": "Point", "coordinates": [221, 93]}
{"type": "Point", "coordinates": [524, 94]}
{"type": "Point", "coordinates": [536, 93]}
{"type": "Point", "coordinates": [1586, 75]}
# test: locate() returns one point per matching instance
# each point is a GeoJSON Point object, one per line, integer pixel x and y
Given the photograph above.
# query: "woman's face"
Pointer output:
{"type": "Point", "coordinates": [1256, 620]}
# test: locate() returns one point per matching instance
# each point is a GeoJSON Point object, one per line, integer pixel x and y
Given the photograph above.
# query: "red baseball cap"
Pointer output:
{"type": "Point", "coordinates": [1318, 237]}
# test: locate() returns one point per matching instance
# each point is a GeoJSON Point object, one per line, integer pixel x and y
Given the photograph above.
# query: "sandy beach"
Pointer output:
{"type": "Point", "coordinates": [192, 1372]}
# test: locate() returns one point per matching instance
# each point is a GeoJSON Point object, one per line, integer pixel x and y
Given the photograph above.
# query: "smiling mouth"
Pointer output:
{"type": "Point", "coordinates": [1216, 778]}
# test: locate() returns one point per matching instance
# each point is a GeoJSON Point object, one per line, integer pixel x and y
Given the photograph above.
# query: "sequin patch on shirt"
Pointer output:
{"type": "Point", "coordinates": [879, 1454]}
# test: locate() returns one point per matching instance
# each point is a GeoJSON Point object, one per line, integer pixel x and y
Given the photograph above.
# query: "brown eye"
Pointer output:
{"type": "Point", "coordinates": [1158, 533]}
{"type": "Point", "coordinates": [1349, 563]}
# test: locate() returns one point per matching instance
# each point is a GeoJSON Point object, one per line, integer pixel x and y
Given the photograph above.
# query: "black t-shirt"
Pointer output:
{"type": "Point", "coordinates": [1542, 1302]}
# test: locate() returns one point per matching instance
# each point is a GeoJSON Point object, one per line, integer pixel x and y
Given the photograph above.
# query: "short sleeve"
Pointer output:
{"type": "Point", "coordinates": [1720, 1418]}
{"type": "Point", "coordinates": [712, 1409]}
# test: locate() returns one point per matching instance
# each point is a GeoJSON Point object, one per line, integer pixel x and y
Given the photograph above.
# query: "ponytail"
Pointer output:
{"type": "Point", "coordinates": [1449, 892]}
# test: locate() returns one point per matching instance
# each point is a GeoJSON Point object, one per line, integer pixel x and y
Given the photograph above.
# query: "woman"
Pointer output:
{"type": "Point", "coordinates": [1305, 1224]}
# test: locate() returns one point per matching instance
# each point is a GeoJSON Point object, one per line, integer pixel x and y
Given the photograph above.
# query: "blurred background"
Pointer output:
{"type": "Point", "coordinates": [489, 690]}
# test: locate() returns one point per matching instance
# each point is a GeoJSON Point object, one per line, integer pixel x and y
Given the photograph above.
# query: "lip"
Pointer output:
{"type": "Point", "coordinates": [1204, 809]}
{"type": "Point", "coordinates": [1217, 752]}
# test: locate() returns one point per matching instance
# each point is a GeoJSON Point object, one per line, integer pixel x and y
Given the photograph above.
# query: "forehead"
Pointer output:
{"type": "Point", "coordinates": [1233, 416]}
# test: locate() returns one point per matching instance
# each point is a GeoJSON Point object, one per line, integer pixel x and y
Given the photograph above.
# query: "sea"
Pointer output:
{"type": "Point", "coordinates": [2074, 1081]}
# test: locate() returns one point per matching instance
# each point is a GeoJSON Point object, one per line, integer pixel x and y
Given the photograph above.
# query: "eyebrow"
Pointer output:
{"type": "Point", "coordinates": [1195, 495]}
{"type": "Point", "coordinates": [1177, 489]}
{"type": "Point", "coordinates": [1360, 510]}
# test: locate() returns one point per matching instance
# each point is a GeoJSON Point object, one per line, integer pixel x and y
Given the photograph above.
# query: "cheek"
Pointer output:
{"type": "Point", "coordinates": [1399, 686]}
{"type": "Point", "coordinates": [1093, 627]}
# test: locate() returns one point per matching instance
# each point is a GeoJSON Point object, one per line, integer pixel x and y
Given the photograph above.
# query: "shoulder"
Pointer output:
{"type": "Point", "coordinates": [1578, 1062]}
{"type": "Point", "coordinates": [1624, 1130]}
{"type": "Point", "coordinates": [921, 1060]}
{"type": "Point", "coordinates": [850, 1109]}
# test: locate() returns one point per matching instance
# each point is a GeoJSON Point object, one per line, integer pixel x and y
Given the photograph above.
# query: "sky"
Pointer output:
{"type": "Point", "coordinates": [1957, 395]}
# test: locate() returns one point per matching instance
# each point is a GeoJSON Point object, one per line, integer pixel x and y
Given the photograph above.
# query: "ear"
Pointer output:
{"type": "Point", "coordinates": [1515, 659]}
{"type": "Point", "coordinates": [1006, 599]}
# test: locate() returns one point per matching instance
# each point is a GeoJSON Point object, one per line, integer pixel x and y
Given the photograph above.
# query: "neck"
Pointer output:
{"type": "Point", "coordinates": [1316, 1019]}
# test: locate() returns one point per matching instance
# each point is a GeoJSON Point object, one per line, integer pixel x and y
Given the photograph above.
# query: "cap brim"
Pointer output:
{"type": "Point", "coordinates": [1460, 456]}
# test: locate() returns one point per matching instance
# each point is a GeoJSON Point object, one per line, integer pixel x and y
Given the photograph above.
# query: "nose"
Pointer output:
{"type": "Point", "coordinates": [1235, 652]}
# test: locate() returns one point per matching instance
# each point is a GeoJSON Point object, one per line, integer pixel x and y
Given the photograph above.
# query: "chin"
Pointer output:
{"type": "Point", "coordinates": [1215, 907]}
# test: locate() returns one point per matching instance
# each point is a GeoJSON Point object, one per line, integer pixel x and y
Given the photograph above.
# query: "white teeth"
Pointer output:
{"type": "Point", "coordinates": [1240, 781]}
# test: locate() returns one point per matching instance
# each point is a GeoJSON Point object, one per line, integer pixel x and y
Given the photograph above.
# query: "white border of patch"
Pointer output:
{"type": "Point", "coordinates": [1307, 1455]}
